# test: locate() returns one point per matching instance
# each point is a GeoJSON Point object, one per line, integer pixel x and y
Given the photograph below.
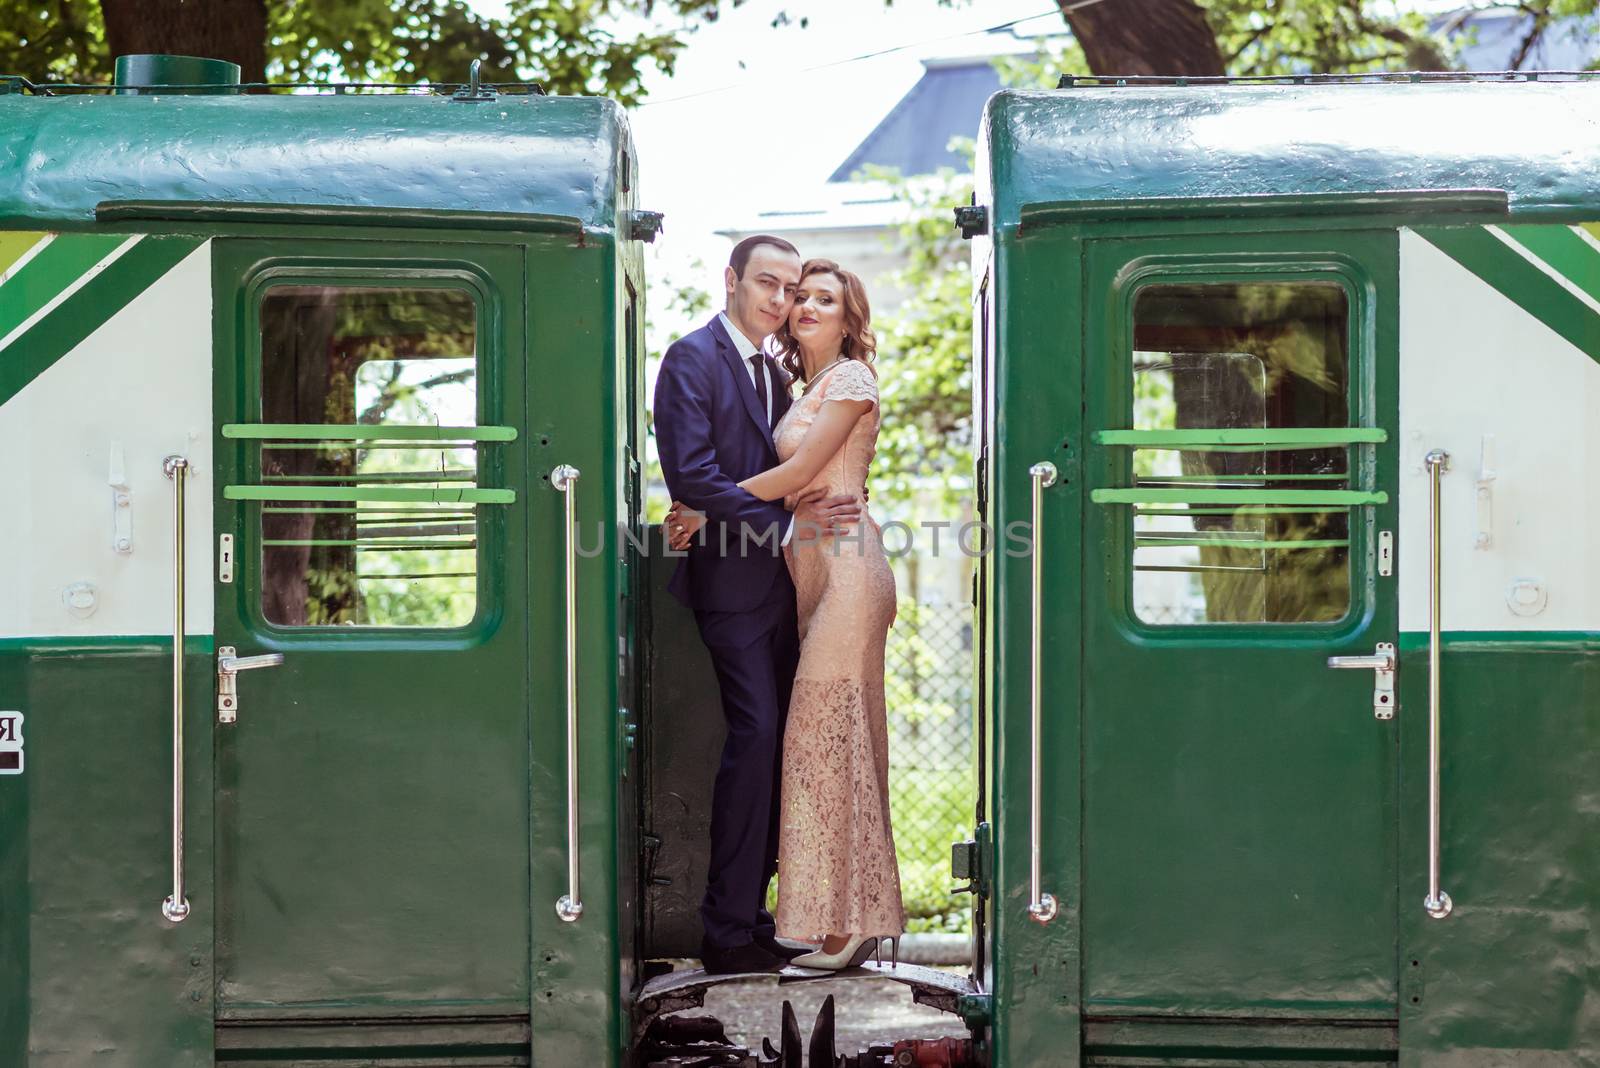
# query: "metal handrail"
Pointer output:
{"type": "Point", "coordinates": [1042, 907]}
{"type": "Point", "coordinates": [176, 906]}
{"type": "Point", "coordinates": [564, 479]}
{"type": "Point", "coordinates": [1437, 903]}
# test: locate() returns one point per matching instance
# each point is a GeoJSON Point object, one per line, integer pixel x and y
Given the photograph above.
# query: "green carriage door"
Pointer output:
{"type": "Point", "coordinates": [373, 788]}
{"type": "Point", "coordinates": [1239, 826]}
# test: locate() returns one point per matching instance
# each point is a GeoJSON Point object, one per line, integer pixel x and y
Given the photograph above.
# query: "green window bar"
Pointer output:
{"type": "Point", "coordinates": [368, 545]}
{"type": "Point", "coordinates": [383, 476]}
{"type": "Point", "coordinates": [366, 446]}
{"type": "Point", "coordinates": [1248, 509]}
{"type": "Point", "coordinates": [383, 514]}
{"type": "Point", "coordinates": [347, 432]}
{"type": "Point", "coordinates": [1317, 477]}
{"type": "Point", "coordinates": [1143, 495]}
{"type": "Point", "coordinates": [1243, 543]}
{"type": "Point", "coordinates": [1248, 438]}
{"type": "Point", "coordinates": [383, 494]}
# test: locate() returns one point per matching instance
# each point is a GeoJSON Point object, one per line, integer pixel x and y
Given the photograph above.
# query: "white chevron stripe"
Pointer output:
{"type": "Point", "coordinates": [77, 284]}
{"type": "Point", "coordinates": [22, 261]}
{"type": "Point", "coordinates": [1562, 280]}
{"type": "Point", "coordinates": [1587, 238]}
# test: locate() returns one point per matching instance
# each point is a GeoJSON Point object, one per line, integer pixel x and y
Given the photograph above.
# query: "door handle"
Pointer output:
{"type": "Point", "coordinates": [228, 668]}
{"type": "Point", "coordinates": [1042, 907]}
{"type": "Point", "coordinates": [564, 480]}
{"type": "Point", "coordinates": [1382, 665]}
{"type": "Point", "coordinates": [1438, 903]}
{"type": "Point", "coordinates": [176, 907]}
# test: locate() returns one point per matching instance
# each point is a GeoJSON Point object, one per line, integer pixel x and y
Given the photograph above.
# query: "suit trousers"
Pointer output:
{"type": "Point", "coordinates": [754, 654]}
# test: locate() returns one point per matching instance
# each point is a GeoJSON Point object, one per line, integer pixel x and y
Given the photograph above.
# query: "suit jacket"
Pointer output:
{"type": "Point", "coordinates": [712, 433]}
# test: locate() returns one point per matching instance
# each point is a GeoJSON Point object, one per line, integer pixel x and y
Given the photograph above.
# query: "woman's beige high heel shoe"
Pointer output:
{"type": "Point", "coordinates": [853, 955]}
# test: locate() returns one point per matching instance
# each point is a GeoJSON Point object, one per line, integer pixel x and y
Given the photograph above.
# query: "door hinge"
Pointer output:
{"type": "Point", "coordinates": [969, 860]}
{"type": "Point", "coordinates": [976, 1010]}
{"type": "Point", "coordinates": [964, 865]}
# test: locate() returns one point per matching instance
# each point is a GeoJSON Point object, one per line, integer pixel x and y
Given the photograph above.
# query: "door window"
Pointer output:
{"type": "Point", "coordinates": [372, 393]}
{"type": "Point", "coordinates": [1240, 419]}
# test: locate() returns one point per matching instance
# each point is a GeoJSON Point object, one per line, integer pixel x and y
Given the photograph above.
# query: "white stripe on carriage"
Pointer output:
{"type": "Point", "coordinates": [22, 261]}
{"type": "Point", "coordinates": [1562, 280]}
{"type": "Point", "coordinates": [77, 283]}
{"type": "Point", "coordinates": [1587, 238]}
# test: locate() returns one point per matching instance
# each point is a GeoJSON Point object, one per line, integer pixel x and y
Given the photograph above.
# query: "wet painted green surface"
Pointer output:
{"type": "Point", "coordinates": [90, 971]}
{"type": "Point", "coordinates": [1086, 145]}
{"type": "Point", "coordinates": [100, 706]}
{"type": "Point", "coordinates": [1239, 798]}
{"type": "Point", "coordinates": [1511, 977]}
{"type": "Point", "coordinates": [14, 897]}
{"type": "Point", "coordinates": [373, 818]}
{"type": "Point", "coordinates": [66, 155]}
{"type": "Point", "coordinates": [1035, 971]}
{"type": "Point", "coordinates": [109, 980]}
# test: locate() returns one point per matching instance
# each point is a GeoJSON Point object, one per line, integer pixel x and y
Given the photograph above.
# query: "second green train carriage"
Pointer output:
{"type": "Point", "coordinates": [1294, 711]}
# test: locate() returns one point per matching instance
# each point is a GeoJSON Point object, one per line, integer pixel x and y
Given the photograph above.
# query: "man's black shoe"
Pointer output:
{"type": "Point", "coordinates": [739, 960]}
{"type": "Point", "coordinates": [788, 951]}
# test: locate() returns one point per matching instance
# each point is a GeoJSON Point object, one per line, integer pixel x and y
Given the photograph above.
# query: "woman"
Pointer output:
{"type": "Point", "coordinates": [838, 882]}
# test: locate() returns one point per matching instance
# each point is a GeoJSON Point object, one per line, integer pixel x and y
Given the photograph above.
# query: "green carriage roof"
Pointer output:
{"type": "Point", "coordinates": [61, 157]}
{"type": "Point", "coordinates": [1536, 141]}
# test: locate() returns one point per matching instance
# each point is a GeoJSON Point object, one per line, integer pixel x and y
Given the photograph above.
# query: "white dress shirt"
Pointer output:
{"type": "Point", "coordinates": [747, 349]}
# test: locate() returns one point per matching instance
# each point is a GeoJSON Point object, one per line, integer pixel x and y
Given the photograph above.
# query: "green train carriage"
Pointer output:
{"type": "Point", "coordinates": [1292, 377]}
{"type": "Point", "coordinates": [376, 327]}
{"type": "Point", "coordinates": [304, 297]}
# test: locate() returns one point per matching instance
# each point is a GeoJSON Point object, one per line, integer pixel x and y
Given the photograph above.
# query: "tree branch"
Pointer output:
{"type": "Point", "coordinates": [1541, 22]}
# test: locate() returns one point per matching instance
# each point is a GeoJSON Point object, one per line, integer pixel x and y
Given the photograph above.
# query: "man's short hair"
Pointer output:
{"type": "Point", "coordinates": [743, 250]}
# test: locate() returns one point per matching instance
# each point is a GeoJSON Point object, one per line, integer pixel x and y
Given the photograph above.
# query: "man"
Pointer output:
{"type": "Point", "coordinates": [718, 396]}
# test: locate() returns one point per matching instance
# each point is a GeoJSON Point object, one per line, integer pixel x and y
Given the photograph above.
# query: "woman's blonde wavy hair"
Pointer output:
{"type": "Point", "coordinates": [858, 343]}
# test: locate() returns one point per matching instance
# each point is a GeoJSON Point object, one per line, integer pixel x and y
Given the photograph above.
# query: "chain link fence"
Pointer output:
{"type": "Point", "coordinates": [932, 772]}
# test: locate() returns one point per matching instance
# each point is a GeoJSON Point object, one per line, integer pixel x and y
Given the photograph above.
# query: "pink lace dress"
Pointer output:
{"type": "Point", "coordinates": [836, 861]}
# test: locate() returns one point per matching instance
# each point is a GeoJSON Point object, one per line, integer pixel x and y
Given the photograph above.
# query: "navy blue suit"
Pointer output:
{"type": "Point", "coordinates": [712, 433]}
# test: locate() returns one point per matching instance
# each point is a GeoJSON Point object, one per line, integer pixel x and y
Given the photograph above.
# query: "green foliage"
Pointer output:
{"type": "Point", "coordinates": [55, 40]}
{"type": "Point", "coordinates": [924, 352]}
{"type": "Point", "coordinates": [944, 798]}
{"type": "Point", "coordinates": [570, 46]}
{"type": "Point", "coordinates": [1325, 36]}
{"type": "Point", "coordinates": [1267, 37]}
{"type": "Point", "coordinates": [685, 302]}
{"type": "Point", "coordinates": [920, 685]}
{"type": "Point", "coordinates": [563, 44]}
{"type": "Point", "coordinates": [928, 691]}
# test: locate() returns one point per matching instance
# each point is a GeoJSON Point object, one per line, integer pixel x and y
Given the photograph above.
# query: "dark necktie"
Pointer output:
{"type": "Point", "coordinates": [761, 387]}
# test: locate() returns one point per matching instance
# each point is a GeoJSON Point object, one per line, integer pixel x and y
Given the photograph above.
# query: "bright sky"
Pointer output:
{"type": "Point", "coordinates": [755, 116]}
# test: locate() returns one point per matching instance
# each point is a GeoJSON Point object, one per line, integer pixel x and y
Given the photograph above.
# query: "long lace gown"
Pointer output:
{"type": "Point", "coordinates": [836, 860]}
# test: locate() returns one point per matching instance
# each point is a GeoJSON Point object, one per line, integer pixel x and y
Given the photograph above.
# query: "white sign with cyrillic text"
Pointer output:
{"type": "Point", "coordinates": [10, 743]}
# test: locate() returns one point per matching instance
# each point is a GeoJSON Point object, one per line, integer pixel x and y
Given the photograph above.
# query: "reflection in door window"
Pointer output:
{"type": "Point", "coordinates": [369, 357]}
{"type": "Point", "coordinates": [1255, 359]}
